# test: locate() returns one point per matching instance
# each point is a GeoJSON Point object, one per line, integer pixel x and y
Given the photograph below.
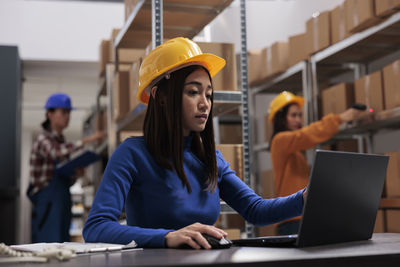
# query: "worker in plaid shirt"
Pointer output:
{"type": "Point", "coordinates": [48, 191]}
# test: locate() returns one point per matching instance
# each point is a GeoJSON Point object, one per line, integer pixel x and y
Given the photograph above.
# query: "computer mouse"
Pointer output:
{"type": "Point", "coordinates": [216, 243]}
{"type": "Point", "coordinates": [359, 106]}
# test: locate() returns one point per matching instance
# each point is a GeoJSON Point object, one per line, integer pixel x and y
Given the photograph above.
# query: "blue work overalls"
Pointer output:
{"type": "Point", "coordinates": [51, 214]}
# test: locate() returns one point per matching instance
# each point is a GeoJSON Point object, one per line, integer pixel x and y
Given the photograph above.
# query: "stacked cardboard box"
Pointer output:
{"type": "Point", "coordinates": [126, 134]}
{"type": "Point", "coordinates": [125, 55]}
{"type": "Point", "coordinates": [299, 48]}
{"type": "Point", "coordinates": [226, 78]}
{"type": "Point", "coordinates": [277, 59]}
{"type": "Point", "coordinates": [121, 94]}
{"type": "Point", "coordinates": [369, 91]}
{"type": "Point", "coordinates": [256, 65]}
{"type": "Point", "coordinates": [233, 154]}
{"type": "Point", "coordinates": [360, 14]}
{"type": "Point", "coordinates": [318, 29]}
{"type": "Point", "coordinates": [380, 222]}
{"type": "Point", "coordinates": [337, 99]}
{"type": "Point", "coordinates": [230, 133]}
{"type": "Point", "coordinates": [133, 84]}
{"type": "Point", "coordinates": [268, 129]}
{"type": "Point", "coordinates": [338, 24]}
{"type": "Point", "coordinates": [391, 80]}
{"type": "Point", "coordinates": [384, 8]}
{"type": "Point", "coordinates": [268, 191]}
{"type": "Point", "coordinates": [392, 188]}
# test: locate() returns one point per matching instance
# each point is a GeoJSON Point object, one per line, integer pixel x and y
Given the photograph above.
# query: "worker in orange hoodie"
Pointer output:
{"type": "Point", "coordinates": [290, 139]}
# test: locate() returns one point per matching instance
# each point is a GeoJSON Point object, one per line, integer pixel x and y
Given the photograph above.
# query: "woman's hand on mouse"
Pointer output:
{"type": "Point", "coordinates": [192, 235]}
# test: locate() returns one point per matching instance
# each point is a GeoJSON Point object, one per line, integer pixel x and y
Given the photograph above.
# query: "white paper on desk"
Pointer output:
{"type": "Point", "coordinates": [79, 248]}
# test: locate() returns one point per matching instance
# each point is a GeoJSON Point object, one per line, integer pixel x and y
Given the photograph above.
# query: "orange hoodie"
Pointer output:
{"type": "Point", "coordinates": [290, 166]}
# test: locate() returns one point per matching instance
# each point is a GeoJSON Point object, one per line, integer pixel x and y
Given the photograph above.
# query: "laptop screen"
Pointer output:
{"type": "Point", "coordinates": [344, 193]}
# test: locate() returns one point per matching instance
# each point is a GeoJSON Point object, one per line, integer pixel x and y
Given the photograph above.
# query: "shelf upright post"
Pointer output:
{"type": "Point", "coordinates": [157, 22]}
{"type": "Point", "coordinates": [315, 91]}
{"type": "Point", "coordinates": [245, 105]}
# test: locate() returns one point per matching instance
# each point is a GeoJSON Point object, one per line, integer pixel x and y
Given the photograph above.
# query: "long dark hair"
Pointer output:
{"type": "Point", "coordinates": [163, 130]}
{"type": "Point", "coordinates": [280, 122]}
{"type": "Point", "coordinates": [46, 125]}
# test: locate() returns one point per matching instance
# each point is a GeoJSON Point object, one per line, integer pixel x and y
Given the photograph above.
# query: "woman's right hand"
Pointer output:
{"type": "Point", "coordinates": [350, 114]}
{"type": "Point", "coordinates": [192, 235]}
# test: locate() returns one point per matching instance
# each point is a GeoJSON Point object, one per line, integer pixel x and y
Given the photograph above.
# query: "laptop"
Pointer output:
{"type": "Point", "coordinates": [344, 193]}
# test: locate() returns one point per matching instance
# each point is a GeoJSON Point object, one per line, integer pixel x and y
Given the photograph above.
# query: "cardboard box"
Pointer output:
{"type": "Point", "coordinates": [380, 222]}
{"type": "Point", "coordinates": [121, 94]}
{"type": "Point", "coordinates": [277, 59]}
{"type": "Point", "coordinates": [360, 14]}
{"type": "Point", "coordinates": [104, 56]}
{"type": "Point", "coordinates": [257, 65]}
{"type": "Point", "coordinates": [233, 233]}
{"type": "Point", "coordinates": [299, 48]}
{"type": "Point", "coordinates": [392, 183]}
{"type": "Point", "coordinates": [226, 78]}
{"type": "Point", "coordinates": [337, 99]}
{"type": "Point", "coordinates": [369, 91]}
{"type": "Point", "coordinates": [269, 230]}
{"type": "Point", "coordinates": [350, 145]}
{"type": "Point", "coordinates": [230, 133]}
{"type": "Point", "coordinates": [391, 81]}
{"type": "Point", "coordinates": [101, 121]}
{"type": "Point", "coordinates": [129, 6]}
{"type": "Point", "coordinates": [233, 154]}
{"type": "Point", "coordinates": [125, 55]}
{"type": "Point", "coordinates": [134, 84]}
{"type": "Point", "coordinates": [338, 24]}
{"type": "Point", "coordinates": [318, 29]}
{"type": "Point", "coordinates": [268, 184]}
{"type": "Point", "coordinates": [393, 221]}
{"type": "Point", "coordinates": [229, 221]}
{"type": "Point", "coordinates": [384, 8]}
{"type": "Point", "coordinates": [126, 134]}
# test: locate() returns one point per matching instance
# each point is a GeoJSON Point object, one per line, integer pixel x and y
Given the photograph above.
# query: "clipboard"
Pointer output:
{"type": "Point", "coordinates": [79, 160]}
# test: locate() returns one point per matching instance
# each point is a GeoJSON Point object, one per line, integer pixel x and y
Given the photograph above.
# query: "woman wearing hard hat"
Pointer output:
{"type": "Point", "coordinates": [49, 193]}
{"type": "Point", "coordinates": [171, 180]}
{"type": "Point", "coordinates": [290, 139]}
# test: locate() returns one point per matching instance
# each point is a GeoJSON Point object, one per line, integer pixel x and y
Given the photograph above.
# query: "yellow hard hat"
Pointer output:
{"type": "Point", "coordinates": [170, 56]}
{"type": "Point", "coordinates": [282, 100]}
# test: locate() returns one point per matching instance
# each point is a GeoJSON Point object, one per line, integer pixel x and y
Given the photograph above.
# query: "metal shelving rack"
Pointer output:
{"type": "Point", "coordinates": [359, 53]}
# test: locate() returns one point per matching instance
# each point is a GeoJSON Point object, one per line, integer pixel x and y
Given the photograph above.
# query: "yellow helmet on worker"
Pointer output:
{"type": "Point", "coordinates": [170, 56]}
{"type": "Point", "coordinates": [280, 101]}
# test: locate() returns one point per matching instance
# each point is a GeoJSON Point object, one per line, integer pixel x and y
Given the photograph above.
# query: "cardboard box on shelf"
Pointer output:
{"type": "Point", "coordinates": [226, 78]}
{"type": "Point", "coordinates": [360, 14]}
{"type": "Point", "coordinates": [384, 8]}
{"type": "Point", "coordinates": [350, 145]}
{"type": "Point", "coordinates": [104, 55]}
{"type": "Point", "coordinates": [393, 221]}
{"type": "Point", "coordinates": [380, 222]}
{"type": "Point", "coordinates": [129, 6]}
{"type": "Point", "coordinates": [233, 233]}
{"type": "Point", "coordinates": [299, 48]}
{"type": "Point", "coordinates": [120, 94]}
{"type": "Point", "coordinates": [125, 55]}
{"type": "Point", "coordinates": [101, 121]}
{"type": "Point", "coordinates": [257, 66]}
{"type": "Point", "coordinates": [230, 221]}
{"type": "Point", "coordinates": [133, 84]}
{"type": "Point", "coordinates": [368, 90]}
{"type": "Point", "coordinates": [230, 133]}
{"type": "Point", "coordinates": [126, 134]}
{"type": "Point", "coordinates": [318, 29]}
{"type": "Point", "coordinates": [338, 24]}
{"type": "Point", "coordinates": [269, 230]}
{"type": "Point", "coordinates": [392, 183]}
{"type": "Point", "coordinates": [233, 154]}
{"type": "Point", "coordinates": [277, 59]}
{"type": "Point", "coordinates": [337, 99]}
{"type": "Point", "coordinates": [268, 184]}
{"type": "Point", "coordinates": [391, 81]}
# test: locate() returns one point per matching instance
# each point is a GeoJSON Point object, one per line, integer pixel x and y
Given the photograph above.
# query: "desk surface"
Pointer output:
{"type": "Point", "coordinates": [381, 250]}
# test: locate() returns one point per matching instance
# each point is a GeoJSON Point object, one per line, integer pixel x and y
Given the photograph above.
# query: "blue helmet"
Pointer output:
{"type": "Point", "coordinates": [58, 100]}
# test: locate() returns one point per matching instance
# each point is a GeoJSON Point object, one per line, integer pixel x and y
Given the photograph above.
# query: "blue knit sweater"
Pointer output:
{"type": "Point", "coordinates": [155, 201]}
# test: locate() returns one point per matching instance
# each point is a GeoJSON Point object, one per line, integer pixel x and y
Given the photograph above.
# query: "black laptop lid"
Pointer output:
{"type": "Point", "coordinates": [344, 193]}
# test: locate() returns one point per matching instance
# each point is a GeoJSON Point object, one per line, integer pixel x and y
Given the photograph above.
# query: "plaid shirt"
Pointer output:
{"type": "Point", "coordinates": [49, 148]}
